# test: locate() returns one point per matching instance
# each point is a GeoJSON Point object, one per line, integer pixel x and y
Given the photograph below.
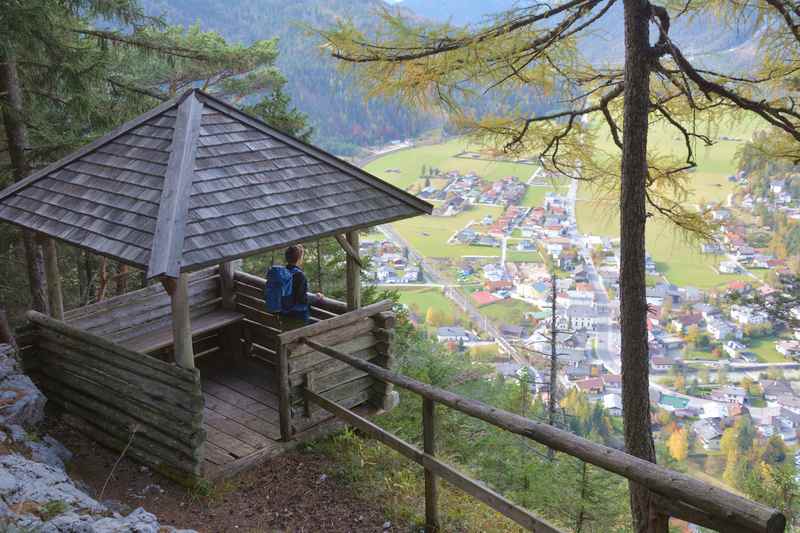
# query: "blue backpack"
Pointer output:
{"type": "Point", "coordinates": [278, 289]}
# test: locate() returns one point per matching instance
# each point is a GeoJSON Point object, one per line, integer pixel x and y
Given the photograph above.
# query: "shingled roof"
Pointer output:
{"type": "Point", "coordinates": [195, 182]}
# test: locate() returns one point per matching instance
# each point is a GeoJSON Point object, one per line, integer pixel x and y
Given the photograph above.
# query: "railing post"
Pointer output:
{"type": "Point", "coordinates": [284, 406]}
{"type": "Point", "coordinates": [429, 447]}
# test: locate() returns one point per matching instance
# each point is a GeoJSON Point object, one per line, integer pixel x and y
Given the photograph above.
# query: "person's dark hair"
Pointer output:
{"type": "Point", "coordinates": [293, 253]}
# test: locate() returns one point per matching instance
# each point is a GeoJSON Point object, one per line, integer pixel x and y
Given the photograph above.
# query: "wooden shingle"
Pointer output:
{"type": "Point", "coordinates": [196, 182]}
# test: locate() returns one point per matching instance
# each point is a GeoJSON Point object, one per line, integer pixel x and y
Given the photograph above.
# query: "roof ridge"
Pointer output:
{"type": "Point", "coordinates": [166, 251]}
{"type": "Point", "coordinates": [93, 146]}
{"type": "Point", "coordinates": [344, 166]}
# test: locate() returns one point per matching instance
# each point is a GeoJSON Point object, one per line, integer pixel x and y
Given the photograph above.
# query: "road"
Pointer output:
{"type": "Point", "coordinates": [608, 338]}
{"type": "Point", "coordinates": [430, 273]}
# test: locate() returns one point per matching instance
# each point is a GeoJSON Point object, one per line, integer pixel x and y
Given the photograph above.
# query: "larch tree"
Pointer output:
{"type": "Point", "coordinates": [540, 45]}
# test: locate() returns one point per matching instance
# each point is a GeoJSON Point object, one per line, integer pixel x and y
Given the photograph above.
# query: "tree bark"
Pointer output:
{"type": "Point", "coordinates": [633, 218]}
{"type": "Point", "coordinates": [17, 141]}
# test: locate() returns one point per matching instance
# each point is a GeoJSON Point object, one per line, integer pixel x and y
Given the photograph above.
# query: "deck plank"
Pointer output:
{"type": "Point", "coordinates": [268, 428]}
{"type": "Point", "coordinates": [235, 429]}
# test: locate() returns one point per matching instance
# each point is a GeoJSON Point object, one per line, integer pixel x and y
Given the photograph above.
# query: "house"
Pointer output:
{"type": "Point", "coordinates": [591, 386]}
{"type": "Point", "coordinates": [613, 404]}
{"type": "Point", "coordinates": [788, 348]}
{"type": "Point", "coordinates": [709, 433]}
{"type": "Point", "coordinates": [744, 314]}
{"type": "Point", "coordinates": [671, 402]}
{"type": "Point", "coordinates": [734, 348]}
{"type": "Point", "coordinates": [720, 329]}
{"type": "Point", "coordinates": [453, 334]}
{"type": "Point", "coordinates": [730, 394]}
{"type": "Point", "coordinates": [582, 317]}
{"type": "Point", "coordinates": [729, 267]}
{"type": "Point", "coordinates": [672, 343]}
{"type": "Point", "coordinates": [613, 383]}
{"type": "Point", "coordinates": [683, 322]}
{"type": "Point", "coordinates": [775, 388]}
{"type": "Point", "coordinates": [661, 364]}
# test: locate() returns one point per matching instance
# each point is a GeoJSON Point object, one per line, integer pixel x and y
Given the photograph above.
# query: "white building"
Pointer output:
{"type": "Point", "coordinates": [747, 315]}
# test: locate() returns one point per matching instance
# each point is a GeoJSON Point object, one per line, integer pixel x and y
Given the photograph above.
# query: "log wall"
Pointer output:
{"type": "Point", "coordinates": [122, 398]}
{"type": "Point", "coordinates": [138, 312]}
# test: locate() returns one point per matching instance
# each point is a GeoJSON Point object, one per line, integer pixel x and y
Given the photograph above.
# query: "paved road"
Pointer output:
{"type": "Point", "coordinates": [608, 339]}
{"type": "Point", "coordinates": [430, 273]}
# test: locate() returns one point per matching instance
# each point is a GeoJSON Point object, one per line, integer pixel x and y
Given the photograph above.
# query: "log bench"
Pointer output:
{"type": "Point", "coordinates": [161, 338]}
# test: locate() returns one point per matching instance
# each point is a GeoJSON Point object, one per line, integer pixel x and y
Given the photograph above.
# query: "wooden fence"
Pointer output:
{"type": "Point", "coordinates": [122, 398]}
{"type": "Point", "coordinates": [677, 494]}
{"type": "Point", "coordinates": [364, 333]}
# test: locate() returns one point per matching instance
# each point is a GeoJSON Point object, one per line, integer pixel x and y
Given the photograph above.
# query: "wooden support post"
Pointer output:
{"type": "Point", "coordinates": [284, 405]}
{"type": "Point", "coordinates": [231, 336]}
{"type": "Point", "coordinates": [181, 324]}
{"type": "Point", "coordinates": [54, 295]}
{"type": "Point", "coordinates": [308, 384]}
{"type": "Point", "coordinates": [226, 285]}
{"type": "Point", "coordinates": [353, 275]}
{"type": "Point", "coordinates": [429, 447]}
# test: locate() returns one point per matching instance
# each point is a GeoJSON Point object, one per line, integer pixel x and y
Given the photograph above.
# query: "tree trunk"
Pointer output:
{"type": "Point", "coordinates": [633, 218]}
{"type": "Point", "coordinates": [17, 141]}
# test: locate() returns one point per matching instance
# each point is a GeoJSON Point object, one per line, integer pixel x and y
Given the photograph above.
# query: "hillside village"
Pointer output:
{"type": "Point", "coordinates": [715, 355]}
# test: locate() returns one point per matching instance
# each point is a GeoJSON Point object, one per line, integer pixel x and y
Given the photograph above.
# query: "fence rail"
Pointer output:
{"type": "Point", "coordinates": [677, 494]}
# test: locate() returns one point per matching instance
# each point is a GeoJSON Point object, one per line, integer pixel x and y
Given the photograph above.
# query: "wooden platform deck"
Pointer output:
{"type": "Point", "coordinates": [241, 417]}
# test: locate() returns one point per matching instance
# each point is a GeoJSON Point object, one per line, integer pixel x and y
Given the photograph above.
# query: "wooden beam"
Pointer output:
{"type": "Point", "coordinates": [181, 323]}
{"type": "Point", "coordinates": [353, 274]}
{"type": "Point", "coordinates": [167, 250]}
{"type": "Point", "coordinates": [494, 500]}
{"type": "Point", "coordinates": [685, 491]}
{"type": "Point", "coordinates": [284, 403]}
{"type": "Point", "coordinates": [429, 447]}
{"type": "Point", "coordinates": [336, 322]}
{"type": "Point", "coordinates": [351, 252]}
{"type": "Point", "coordinates": [226, 271]}
{"type": "Point", "coordinates": [54, 294]}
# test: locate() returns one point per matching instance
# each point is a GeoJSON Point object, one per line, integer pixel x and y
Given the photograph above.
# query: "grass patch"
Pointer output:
{"type": "Point", "coordinates": [420, 300]}
{"type": "Point", "coordinates": [507, 312]}
{"type": "Point", "coordinates": [676, 257]}
{"type": "Point", "coordinates": [429, 235]}
{"type": "Point", "coordinates": [765, 350]}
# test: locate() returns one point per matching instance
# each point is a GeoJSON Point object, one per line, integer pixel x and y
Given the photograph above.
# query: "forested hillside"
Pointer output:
{"type": "Point", "coordinates": [340, 115]}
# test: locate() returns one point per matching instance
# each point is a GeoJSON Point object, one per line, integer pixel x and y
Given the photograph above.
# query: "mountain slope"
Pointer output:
{"type": "Point", "coordinates": [338, 111]}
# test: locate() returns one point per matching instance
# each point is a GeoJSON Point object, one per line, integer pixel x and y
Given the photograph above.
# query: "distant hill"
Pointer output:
{"type": "Point", "coordinates": [698, 36]}
{"type": "Point", "coordinates": [341, 117]}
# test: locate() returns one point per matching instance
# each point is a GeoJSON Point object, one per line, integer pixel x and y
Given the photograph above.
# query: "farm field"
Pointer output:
{"type": "Point", "coordinates": [420, 300]}
{"type": "Point", "coordinates": [429, 235]}
{"type": "Point", "coordinates": [676, 256]}
{"type": "Point", "coordinates": [409, 163]}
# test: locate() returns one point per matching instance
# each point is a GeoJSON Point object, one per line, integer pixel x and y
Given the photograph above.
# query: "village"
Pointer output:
{"type": "Point", "coordinates": [715, 355]}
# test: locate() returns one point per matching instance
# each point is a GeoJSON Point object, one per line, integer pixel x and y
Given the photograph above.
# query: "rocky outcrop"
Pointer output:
{"type": "Point", "coordinates": [36, 494]}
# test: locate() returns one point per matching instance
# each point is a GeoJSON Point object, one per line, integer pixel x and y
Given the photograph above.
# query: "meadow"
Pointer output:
{"type": "Point", "coordinates": [429, 235]}
{"type": "Point", "coordinates": [676, 254]}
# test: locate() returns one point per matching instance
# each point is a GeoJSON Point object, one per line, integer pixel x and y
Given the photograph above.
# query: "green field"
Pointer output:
{"type": "Point", "coordinates": [765, 350]}
{"type": "Point", "coordinates": [429, 235]}
{"type": "Point", "coordinates": [676, 256]}
{"type": "Point", "coordinates": [507, 312]}
{"type": "Point", "coordinates": [441, 156]}
{"type": "Point", "coordinates": [420, 299]}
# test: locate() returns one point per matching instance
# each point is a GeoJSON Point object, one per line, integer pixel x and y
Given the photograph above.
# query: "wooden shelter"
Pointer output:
{"type": "Point", "coordinates": [193, 372]}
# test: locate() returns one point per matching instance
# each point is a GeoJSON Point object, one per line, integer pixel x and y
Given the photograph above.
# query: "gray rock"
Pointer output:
{"type": "Point", "coordinates": [41, 483]}
{"type": "Point", "coordinates": [50, 452]}
{"type": "Point", "coordinates": [21, 402]}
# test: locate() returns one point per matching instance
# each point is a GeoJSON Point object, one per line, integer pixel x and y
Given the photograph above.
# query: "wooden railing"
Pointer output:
{"type": "Point", "coordinates": [676, 494]}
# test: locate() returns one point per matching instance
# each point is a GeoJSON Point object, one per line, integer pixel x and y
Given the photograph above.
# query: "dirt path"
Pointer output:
{"type": "Point", "coordinates": [295, 492]}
